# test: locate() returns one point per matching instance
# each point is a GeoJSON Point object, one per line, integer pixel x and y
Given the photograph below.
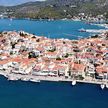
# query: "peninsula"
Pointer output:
{"type": "Point", "coordinates": [34, 58]}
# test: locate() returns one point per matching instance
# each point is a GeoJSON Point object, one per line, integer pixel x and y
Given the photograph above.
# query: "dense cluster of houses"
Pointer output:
{"type": "Point", "coordinates": [89, 18]}
{"type": "Point", "coordinates": [27, 54]}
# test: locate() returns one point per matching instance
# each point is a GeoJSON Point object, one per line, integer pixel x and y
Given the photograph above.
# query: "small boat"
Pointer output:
{"type": "Point", "coordinates": [11, 19]}
{"type": "Point", "coordinates": [24, 79]}
{"type": "Point", "coordinates": [102, 86]}
{"type": "Point", "coordinates": [49, 19]}
{"type": "Point", "coordinates": [82, 30]}
{"type": "Point", "coordinates": [12, 78]}
{"type": "Point", "coordinates": [74, 82]}
{"type": "Point", "coordinates": [34, 80]}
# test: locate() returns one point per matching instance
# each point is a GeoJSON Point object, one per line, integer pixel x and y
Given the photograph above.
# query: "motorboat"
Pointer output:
{"type": "Point", "coordinates": [82, 30]}
{"type": "Point", "coordinates": [102, 86]}
{"type": "Point", "coordinates": [24, 79]}
{"type": "Point", "coordinates": [34, 80]}
{"type": "Point", "coordinates": [73, 82]}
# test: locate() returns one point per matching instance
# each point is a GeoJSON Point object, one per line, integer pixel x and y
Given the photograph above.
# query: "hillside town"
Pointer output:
{"type": "Point", "coordinates": [25, 56]}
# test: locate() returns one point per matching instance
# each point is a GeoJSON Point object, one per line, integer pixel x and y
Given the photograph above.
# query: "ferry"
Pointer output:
{"type": "Point", "coordinates": [73, 82]}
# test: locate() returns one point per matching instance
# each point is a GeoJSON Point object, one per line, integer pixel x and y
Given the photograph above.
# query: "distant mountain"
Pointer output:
{"type": "Point", "coordinates": [57, 8]}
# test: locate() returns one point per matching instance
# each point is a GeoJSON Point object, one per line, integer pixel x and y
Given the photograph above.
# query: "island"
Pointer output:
{"type": "Point", "coordinates": [27, 57]}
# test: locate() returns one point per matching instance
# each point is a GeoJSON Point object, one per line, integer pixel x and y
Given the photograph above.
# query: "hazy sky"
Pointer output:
{"type": "Point", "coordinates": [15, 2]}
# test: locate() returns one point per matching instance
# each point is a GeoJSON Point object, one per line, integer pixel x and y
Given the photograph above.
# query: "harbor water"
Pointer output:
{"type": "Point", "coordinates": [51, 29]}
{"type": "Point", "coordinates": [18, 94]}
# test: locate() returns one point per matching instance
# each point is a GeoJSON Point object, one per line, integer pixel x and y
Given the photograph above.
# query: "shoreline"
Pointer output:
{"type": "Point", "coordinates": [62, 19]}
{"type": "Point", "coordinates": [38, 79]}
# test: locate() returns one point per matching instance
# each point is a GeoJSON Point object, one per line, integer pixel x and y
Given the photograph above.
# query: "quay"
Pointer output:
{"type": "Point", "coordinates": [33, 78]}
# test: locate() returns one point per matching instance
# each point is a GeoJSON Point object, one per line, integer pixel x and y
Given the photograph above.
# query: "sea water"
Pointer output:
{"type": "Point", "coordinates": [52, 29]}
{"type": "Point", "coordinates": [19, 94]}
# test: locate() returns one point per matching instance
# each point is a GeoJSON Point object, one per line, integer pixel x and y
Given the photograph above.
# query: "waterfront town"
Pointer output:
{"type": "Point", "coordinates": [28, 57]}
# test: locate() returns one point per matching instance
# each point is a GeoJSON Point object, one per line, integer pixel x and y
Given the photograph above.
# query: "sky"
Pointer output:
{"type": "Point", "coordinates": [14, 2]}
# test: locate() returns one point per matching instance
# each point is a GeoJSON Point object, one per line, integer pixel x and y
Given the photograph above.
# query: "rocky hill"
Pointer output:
{"type": "Point", "coordinates": [57, 8]}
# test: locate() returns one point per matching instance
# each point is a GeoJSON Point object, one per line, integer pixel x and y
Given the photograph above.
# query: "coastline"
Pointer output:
{"type": "Point", "coordinates": [37, 79]}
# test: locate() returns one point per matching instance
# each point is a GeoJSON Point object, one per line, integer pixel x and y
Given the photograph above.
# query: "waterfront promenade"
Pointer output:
{"type": "Point", "coordinates": [33, 78]}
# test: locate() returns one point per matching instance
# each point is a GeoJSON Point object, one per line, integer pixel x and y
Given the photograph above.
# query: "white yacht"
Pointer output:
{"type": "Point", "coordinates": [24, 79]}
{"type": "Point", "coordinates": [34, 80]}
{"type": "Point", "coordinates": [82, 30]}
{"type": "Point", "coordinates": [102, 86]}
{"type": "Point", "coordinates": [74, 82]}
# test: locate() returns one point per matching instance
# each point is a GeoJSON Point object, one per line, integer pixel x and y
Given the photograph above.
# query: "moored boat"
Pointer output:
{"type": "Point", "coordinates": [74, 82]}
{"type": "Point", "coordinates": [25, 79]}
{"type": "Point", "coordinates": [34, 80]}
{"type": "Point", "coordinates": [102, 86]}
{"type": "Point", "coordinates": [12, 78]}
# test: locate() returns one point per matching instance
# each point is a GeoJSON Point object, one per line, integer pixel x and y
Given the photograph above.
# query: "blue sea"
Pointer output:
{"type": "Point", "coordinates": [51, 29]}
{"type": "Point", "coordinates": [19, 94]}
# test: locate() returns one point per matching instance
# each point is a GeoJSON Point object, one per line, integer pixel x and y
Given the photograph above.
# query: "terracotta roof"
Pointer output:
{"type": "Point", "coordinates": [78, 67]}
{"type": "Point", "coordinates": [101, 69]}
{"type": "Point", "coordinates": [4, 62]}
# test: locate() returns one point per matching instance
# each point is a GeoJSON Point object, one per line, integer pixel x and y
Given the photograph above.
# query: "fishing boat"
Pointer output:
{"type": "Point", "coordinates": [73, 82]}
